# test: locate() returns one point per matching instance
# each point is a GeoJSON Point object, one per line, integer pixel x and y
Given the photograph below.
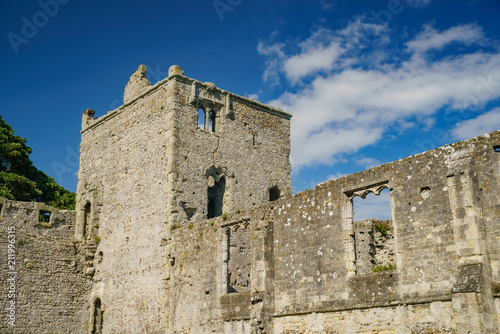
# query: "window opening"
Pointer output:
{"type": "Point", "coordinates": [216, 198]}
{"type": "Point", "coordinates": [274, 194]}
{"type": "Point", "coordinates": [372, 206]}
{"type": "Point", "coordinates": [43, 216]}
{"type": "Point", "coordinates": [373, 232]}
{"type": "Point", "coordinates": [97, 321]}
{"type": "Point", "coordinates": [496, 148]}
{"type": "Point", "coordinates": [201, 118]}
{"type": "Point", "coordinates": [86, 219]}
{"type": "Point", "coordinates": [211, 121]}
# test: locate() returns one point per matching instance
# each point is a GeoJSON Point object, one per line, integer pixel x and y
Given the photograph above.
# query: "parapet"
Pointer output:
{"type": "Point", "coordinates": [139, 87]}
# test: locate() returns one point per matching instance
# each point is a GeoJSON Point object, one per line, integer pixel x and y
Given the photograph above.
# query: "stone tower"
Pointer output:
{"type": "Point", "coordinates": [173, 154]}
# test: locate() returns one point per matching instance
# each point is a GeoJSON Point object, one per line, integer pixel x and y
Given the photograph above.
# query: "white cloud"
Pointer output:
{"type": "Point", "coordinates": [274, 54]}
{"type": "Point", "coordinates": [312, 60]}
{"type": "Point", "coordinates": [323, 50]}
{"type": "Point", "coordinates": [368, 162]}
{"type": "Point", "coordinates": [431, 39]}
{"type": "Point", "coordinates": [372, 86]}
{"type": "Point", "coordinates": [478, 126]}
{"type": "Point", "coordinates": [253, 96]}
{"type": "Point", "coordinates": [334, 176]}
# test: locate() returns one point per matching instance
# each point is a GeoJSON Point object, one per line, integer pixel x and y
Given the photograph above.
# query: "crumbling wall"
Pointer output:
{"type": "Point", "coordinates": [146, 168]}
{"type": "Point", "coordinates": [239, 263]}
{"type": "Point", "coordinates": [249, 150]}
{"type": "Point", "coordinates": [123, 177]}
{"type": "Point", "coordinates": [205, 258]}
{"type": "Point", "coordinates": [44, 285]}
{"type": "Point", "coordinates": [308, 270]}
{"type": "Point", "coordinates": [374, 244]}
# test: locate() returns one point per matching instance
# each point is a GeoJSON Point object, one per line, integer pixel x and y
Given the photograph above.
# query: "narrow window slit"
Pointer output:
{"type": "Point", "coordinates": [201, 118]}
{"type": "Point", "coordinates": [211, 121]}
{"type": "Point", "coordinates": [86, 219]}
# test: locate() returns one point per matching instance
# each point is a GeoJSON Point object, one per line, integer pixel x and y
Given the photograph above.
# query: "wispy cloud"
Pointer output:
{"type": "Point", "coordinates": [355, 84]}
{"type": "Point", "coordinates": [480, 125]}
{"type": "Point", "coordinates": [367, 162]}
{"type": "Point", "coordinates": [273, 62]}
{"type": "Point", "coordinates": [430, 38]}
{"type": "Point", "coordinates": [326, 5]}
{"type": "Point", "coordinates": [314, 59]}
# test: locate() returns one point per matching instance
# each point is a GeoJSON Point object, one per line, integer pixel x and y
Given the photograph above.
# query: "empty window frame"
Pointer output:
{"type": "Point", "coordinates": [97, 317]}
{"type": "Point", "coordinates": [372, 206]}
{"type": "Point", "coordinates": [216, 198]}
{"type": "Point", "coordinates": [44, 216]}
{"type": "Point", "coordinates": [208, 119]}
{"type": "Point", "coordinates": [274, 194]}
{"type": "Point", "coordinates": [373, 228]}
{"type": "Point", "coordinates": [201, 118]}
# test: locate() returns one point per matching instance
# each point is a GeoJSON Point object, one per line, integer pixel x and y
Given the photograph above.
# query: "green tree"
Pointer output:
{"type": "Point", "coordinates": [20, 180]}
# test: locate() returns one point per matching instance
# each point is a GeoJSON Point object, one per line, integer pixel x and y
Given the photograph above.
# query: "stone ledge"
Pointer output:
{"type": "Point", "coordinates": [413, 301]}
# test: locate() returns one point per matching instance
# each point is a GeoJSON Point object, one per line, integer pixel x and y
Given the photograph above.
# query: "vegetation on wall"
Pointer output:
{"type": "Point", "coordinates": [20, 180]}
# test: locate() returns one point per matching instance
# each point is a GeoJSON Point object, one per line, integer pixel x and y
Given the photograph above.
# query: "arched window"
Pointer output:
{"type": "Point", "coordinates": [274, 194]}
{"type": "Point", "coordinates": [201, 118]}
{"type": "Point", "coordinates": [207, 119]}
{"type": "Point", "coordinates": [216, 198]}
{"type": "Point", "coordinates": [211, 121]}
{"type": "Point", "coordinates": [97, 317]}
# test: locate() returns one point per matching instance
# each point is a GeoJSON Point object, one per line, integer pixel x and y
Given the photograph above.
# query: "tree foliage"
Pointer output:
{"type": "Point", "coordinates": [20, 180]}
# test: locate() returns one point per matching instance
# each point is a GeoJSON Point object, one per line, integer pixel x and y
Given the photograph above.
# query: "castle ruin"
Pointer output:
{"type": "Point", "coordinates": [185, 223]}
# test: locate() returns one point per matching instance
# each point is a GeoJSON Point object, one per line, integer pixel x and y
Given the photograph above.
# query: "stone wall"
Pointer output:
{"type": "Point", "coordinates": [44, 284]}
{"type": "Point", "coordinates": [307, 272]}
{"type": "Point", "coordinates": [179, 229]}
{"type": "Point", "coordinates": [249, 150]}
{"type": "Point", "coordinates": [147, 168]}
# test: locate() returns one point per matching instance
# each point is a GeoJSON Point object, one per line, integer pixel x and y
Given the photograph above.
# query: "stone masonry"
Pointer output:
{"type": "Point", "coordinates": [185, 223]}
{"type": "Point", "coordinates": [44, 284]}
{"type": "Point", "coordinates": [148, 168]}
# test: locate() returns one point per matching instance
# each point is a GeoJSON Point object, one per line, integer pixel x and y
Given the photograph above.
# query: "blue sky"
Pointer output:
{"type": "Point", "coordinates": [367, 81]}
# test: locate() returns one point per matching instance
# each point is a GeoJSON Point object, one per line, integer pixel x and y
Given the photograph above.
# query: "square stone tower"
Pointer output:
{"type": "Point", "coordinates": [175, 153]}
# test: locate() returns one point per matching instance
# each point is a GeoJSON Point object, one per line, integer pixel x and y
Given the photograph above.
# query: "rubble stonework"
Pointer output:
{"type": "Point", "coordinates": [50, 287]}
{"type": "Point", "coordinates": [185, 223]}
